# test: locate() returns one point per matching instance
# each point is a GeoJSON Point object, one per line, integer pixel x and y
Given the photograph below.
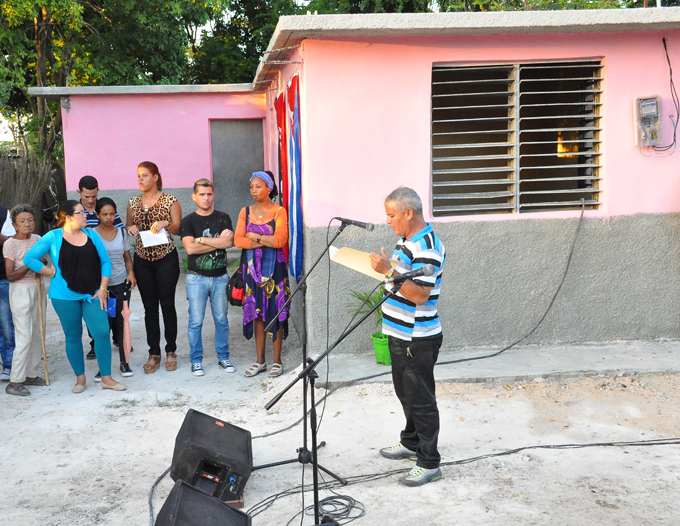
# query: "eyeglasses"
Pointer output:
{"type": "Point", "coordinates": [82, 212]}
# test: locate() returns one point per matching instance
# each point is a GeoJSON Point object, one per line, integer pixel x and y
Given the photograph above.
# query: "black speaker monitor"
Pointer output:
{"type": "Point", "coordinates": [188, 506]}
{"type": "Point", "coordinates": [214, 456]}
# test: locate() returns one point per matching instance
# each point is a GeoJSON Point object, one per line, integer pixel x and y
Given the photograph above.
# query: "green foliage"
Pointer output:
{"type": "Point", "coordinates": [365, 301]}
{"type": "Point", "coordinates": [123, 42]}
{"type": "Point", "coordinates": [231, 51]}
{"type": "Point", "coordinates": [525, 5]}
{"type": "Point", "coordinates": [369, 6]}
{"type": "Point", "coordinates": [90, 42]}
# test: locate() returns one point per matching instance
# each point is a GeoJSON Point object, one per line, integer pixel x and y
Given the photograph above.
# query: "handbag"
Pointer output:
{"type": "Point", "coordinates": [111, 306]}
{"type": "Point", "coordinates": [235, 285]}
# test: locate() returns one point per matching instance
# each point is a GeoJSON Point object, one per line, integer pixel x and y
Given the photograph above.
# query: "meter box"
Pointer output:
{"type": "Point", "coordinates": [647, 117]}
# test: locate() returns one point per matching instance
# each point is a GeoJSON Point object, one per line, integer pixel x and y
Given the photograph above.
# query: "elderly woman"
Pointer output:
{"type": "Point", "coordinates": [23, 300]}
{"type": "Point", "coordinates": [156, 267]}
{"type": "Point", "coordinates": [262, 231]}
{"type": "Point", "coordinates": [78, 289]}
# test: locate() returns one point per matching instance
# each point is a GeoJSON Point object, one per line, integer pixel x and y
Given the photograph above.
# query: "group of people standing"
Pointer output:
{"type": "Point", "coordinates": [91, 262]}
{"type": "Point", "coordinates": [90, 253]}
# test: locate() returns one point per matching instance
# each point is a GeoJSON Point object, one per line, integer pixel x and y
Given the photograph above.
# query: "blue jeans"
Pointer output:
{"type": "Point", "coordinates": [199, 289]}
{"type": "Point", "coordinates": [6, 325]}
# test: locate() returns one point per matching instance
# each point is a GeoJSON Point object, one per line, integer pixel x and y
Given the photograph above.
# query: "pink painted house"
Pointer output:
{"type": "Point", "coordinates": [503, 122]}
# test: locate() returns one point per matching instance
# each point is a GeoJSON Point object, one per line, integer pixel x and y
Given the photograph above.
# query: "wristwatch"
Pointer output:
{"type": "Point", "coordinates": [390, 272]}
{"type": "Point", "coordinates": [259, 238]}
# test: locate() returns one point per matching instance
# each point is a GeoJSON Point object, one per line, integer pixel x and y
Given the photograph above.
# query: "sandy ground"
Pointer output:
{"type": "Point", "coordinates": [92, 458]}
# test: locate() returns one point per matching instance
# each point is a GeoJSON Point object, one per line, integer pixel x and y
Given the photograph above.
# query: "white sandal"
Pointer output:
{"type": "Point", "coordinates": [277, 369]}
{"type": "Point", "coordinates": [255, 369]}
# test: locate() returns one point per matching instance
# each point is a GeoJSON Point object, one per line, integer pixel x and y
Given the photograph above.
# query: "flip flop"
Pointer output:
{"type": "Point", "coordinates": [255, 369]}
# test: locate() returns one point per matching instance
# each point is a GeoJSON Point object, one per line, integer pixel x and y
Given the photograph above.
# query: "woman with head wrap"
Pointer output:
{"type": "Point", "coordinates": [262, 231]}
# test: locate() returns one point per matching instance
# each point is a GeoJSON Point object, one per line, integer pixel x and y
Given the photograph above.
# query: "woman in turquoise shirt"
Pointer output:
{"type": "Point", "coordinates": [78, 289]}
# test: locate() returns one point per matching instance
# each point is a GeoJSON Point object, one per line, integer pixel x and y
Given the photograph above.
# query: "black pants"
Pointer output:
{"type": "Point", "coordinates": [413, 377]}
{"type": "Point", "coordinates": [122, 293]}
{"type": "Point", "coordinates": [157, 281]}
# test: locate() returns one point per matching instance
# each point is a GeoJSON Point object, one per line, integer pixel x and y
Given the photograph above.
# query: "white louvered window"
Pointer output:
{"type": "Point", "coordinates": [515, 138]}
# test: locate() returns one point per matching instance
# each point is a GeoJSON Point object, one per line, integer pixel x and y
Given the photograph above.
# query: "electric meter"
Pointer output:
{"type": "Point", "coordinates": [647, 117]}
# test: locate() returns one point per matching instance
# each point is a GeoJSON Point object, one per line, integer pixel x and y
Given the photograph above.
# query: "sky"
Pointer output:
{"type": "Point", "coordinates": [5, 134]}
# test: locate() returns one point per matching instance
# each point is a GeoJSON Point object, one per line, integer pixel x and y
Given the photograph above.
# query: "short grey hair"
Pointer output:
{"type": "Point", "coordinates": [405, 198]}
{"type": "Point", "coordinates": [18, 209]}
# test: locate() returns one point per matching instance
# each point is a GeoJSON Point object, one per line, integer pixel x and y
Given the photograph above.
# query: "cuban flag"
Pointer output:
{"type": "Point", "coordinates": [281, 118]}
{"type": "Point", "coordinates": [295, 173]}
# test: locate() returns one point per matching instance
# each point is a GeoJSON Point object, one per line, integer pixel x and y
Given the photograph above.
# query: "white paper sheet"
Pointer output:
{"type": "Point", "coordinates": [356, 260]}
{"type": "Point", "coordinates": [150, 239]}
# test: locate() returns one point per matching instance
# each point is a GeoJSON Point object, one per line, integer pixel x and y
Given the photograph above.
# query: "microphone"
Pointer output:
{"type": "Point", "coordinates": [365, 226]}
{"type": "Point", "coordinates": [426, 270]}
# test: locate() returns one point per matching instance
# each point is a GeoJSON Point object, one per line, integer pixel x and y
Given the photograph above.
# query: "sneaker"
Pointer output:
{"type": "Point", "coordinates": [197, 369]}
{"type": "Point", "coordinates": [125, 370]}
{"type": "Point", "coordinates": [226, 366]}
{"type": "Point", "coordinates": [398, 452]}
{"type": "Point", "coordinates": [98, 376]}
{"type": "Point", "coordinates": [419, 476]}
{"type": "Point", "coordinates": [4, 376]}
{"type": "Point", "coordinates": [91, 355]}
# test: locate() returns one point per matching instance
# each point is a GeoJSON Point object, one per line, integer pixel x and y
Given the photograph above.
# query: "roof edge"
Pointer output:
{"type": "Point", "coordinates": [156, 89]}
{"type": "Point", "coordinates": [292, 30]}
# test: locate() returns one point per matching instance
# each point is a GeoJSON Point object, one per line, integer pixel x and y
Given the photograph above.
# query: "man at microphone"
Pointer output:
{"type": "Point", "coordinates": [411, 322]}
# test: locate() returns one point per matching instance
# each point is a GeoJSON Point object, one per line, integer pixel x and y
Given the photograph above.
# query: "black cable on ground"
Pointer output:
{"type": "Point", "coordinates": [359, 479]}
{"type": "Point", "coordinates": [158, 480]}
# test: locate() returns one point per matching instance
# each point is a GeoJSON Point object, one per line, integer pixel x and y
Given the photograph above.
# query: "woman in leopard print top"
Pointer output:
{"type": "Point", "coordinates": [156, 268]}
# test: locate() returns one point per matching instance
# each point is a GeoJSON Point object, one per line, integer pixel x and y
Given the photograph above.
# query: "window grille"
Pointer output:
{"type": "Point", "coordinates": [515, 138]}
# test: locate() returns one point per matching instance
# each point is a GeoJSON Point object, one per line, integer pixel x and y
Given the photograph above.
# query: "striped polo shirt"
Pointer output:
{"type": "Point", "coordinates": [93, 219]}
{"type": "Point", "coordinates": [402, 318]}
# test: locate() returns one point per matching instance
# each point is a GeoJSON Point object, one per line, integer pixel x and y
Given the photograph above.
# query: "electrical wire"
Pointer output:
{"type": "Point", "coordinates": [550, 305]}
{"type": "Point", "coordinates": [340, 507]}
{"type": "Point", "coordinates": [676, 104]}
{"type": "Point", "coordinates": [264, 504]}
{"type": "Point", "coordinates": [337, 507]}
{"type": "Point", "coordinates": [328, 321]}
{"type": "Point", "coordinates": [328, 392]}
{"type": "Point", "coordinates": [158, 480]}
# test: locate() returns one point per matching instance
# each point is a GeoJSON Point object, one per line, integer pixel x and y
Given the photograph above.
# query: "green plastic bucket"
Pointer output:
{"type": "Point", "coordinates": [381, 348]}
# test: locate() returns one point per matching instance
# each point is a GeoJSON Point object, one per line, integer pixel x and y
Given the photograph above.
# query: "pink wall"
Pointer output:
{"type": "Point", "coordinates": [108, 136]}
{"type": "Point", "coordinates": [366, 117]}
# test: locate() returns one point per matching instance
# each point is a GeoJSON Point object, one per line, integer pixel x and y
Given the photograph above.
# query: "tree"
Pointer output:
{"type": "Point", "coordinates": [369, 6]}
{"type": "Point", "coordinates": [231, 51]}
{"type": "Point", "coordinates": [89, 42]}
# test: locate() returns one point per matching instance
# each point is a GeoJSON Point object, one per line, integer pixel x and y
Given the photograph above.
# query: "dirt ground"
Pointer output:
{"type": "Point", "coordinates": [92, 458]}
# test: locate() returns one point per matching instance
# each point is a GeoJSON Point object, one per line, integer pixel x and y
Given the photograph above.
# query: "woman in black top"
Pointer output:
{"type": "Point", "coordinates": [78, 289]}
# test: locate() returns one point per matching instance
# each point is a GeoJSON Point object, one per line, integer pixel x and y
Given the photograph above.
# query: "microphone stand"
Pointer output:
{"type": "Point", "coordinates": [304, 455]}
{"type": "Point", "coordinates": [309, 373]}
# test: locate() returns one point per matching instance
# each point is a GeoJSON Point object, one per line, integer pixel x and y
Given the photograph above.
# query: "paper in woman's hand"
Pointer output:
{"type": "Point", "coordinates": [150, 239]}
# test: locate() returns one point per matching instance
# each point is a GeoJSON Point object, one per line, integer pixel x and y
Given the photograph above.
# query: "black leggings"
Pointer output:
{"type": "Point", "coordinates": [121, 293]}
{"type": "Point", "coordinates": [413, 377]}
{"type": "Point", "coordinates": [157, 281]}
